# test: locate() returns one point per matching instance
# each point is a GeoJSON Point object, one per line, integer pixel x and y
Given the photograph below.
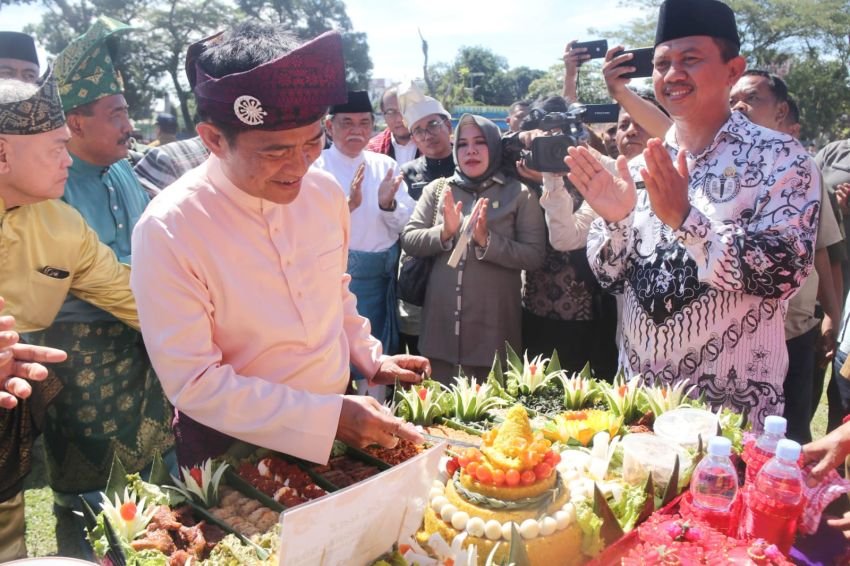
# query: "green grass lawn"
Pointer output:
{"type": "Point", "coordinates": [52, 535]}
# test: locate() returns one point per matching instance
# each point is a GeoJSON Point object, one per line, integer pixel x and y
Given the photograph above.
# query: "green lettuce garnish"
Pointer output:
{"type": "Point", "coordinates": [591, 529]}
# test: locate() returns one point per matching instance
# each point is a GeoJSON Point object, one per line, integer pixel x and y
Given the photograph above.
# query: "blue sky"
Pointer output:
{"type": "Point", "coordinates": [530, 32]}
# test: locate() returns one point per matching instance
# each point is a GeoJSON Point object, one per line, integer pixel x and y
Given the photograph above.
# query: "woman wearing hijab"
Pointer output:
{"type": "Point", "coordinates": [471, 310]}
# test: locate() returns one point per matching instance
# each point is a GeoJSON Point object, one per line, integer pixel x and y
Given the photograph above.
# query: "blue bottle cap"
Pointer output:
{"type": "Point", "coordinates": [719, 446]}
{"type": "Point", "coordinates": [774, 424]}
{"type": "Point", "coordinates": [788, 450]}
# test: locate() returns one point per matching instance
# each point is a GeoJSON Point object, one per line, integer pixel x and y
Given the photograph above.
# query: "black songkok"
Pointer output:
{"type": "Point", "coordinates": [358, 101]}
{"type": "Point", "coordinates": [17, 45]}
{"type": "Point", "coordinates": [685, 18]}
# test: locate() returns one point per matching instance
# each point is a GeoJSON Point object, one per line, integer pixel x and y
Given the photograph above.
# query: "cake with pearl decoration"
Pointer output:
{"type": "Point", "coordinates": [510, 481]}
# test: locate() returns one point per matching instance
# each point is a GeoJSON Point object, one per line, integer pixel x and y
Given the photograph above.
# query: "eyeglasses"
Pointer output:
{"type": "Point", "coordinates": [433, 127]}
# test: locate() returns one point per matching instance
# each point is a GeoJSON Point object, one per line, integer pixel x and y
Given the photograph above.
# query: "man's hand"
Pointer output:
{"type": "Point", "coordinates": [480, 232]}
{"type": "Point", "coordinates": [387, 189]}
{"type": "Point", "coordinates": [451, 217]}
{"type": "Point", "coordinates": [842, 195]}
{"type": "Point", "coordinates": [828, 452]}
{"type": "Point", "coordinates": [574, 57]}
{"type": "Point", "coordinates": [527, 174]}
{"type": "Point", "coordinates": [613, 73]}
{"type": "Point", "coordinates": [826, 343]}
{"type": "Point", "coordinates": [363, 421]}
{"type": "Point", "coordinates": [20, 362]}
{"type": "Point", "coordinates": [613, 198]}
{"type": "Point", "coordinates": [405, 368]}
{"type": "Point", "coordinates": [666, 183]}
{"type": "Point", "coordinates": [355, 194]}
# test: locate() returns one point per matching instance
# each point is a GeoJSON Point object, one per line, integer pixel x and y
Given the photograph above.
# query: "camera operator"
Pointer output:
{"type": "Point", "coordinates": [563, 305]}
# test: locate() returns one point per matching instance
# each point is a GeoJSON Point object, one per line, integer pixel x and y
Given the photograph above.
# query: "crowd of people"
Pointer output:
{"type": "Point", "coordinates": [196, 298]}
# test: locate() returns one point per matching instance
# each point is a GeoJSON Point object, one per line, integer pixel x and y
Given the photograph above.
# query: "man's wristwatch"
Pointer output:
{"type": "Point", "coordinates": [390, 208]}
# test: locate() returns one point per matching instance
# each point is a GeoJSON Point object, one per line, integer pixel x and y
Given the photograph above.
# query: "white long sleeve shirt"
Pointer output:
{"type": "Point", "coordinates": [372, 229]}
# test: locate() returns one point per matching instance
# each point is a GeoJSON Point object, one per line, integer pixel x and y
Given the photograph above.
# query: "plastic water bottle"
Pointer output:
{"type": "Point", "coordinates": [773, 505]}
{"type": "Point", "coordinates": [781, 479]}
{"type": "Point", "coordinates": [765, 448]}
{"type": "Point", "coordinates": [774, 431]}
{"type": "Point", "coordinates": [714, 484]}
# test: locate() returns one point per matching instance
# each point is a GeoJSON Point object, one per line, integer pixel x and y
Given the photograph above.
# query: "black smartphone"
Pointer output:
{"type": "Point", "coordinates": [600, 113]}
{"type": "Point", "coordinates": [596, 49]}
{"type": "Point", "coordinates": [641, 61]}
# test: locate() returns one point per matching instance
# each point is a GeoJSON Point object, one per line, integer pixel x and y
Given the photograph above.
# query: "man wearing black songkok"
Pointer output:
{"type": "Point", "coordinates": [18, 57]}
{"type": "Point", "coordinates": [710, 231]}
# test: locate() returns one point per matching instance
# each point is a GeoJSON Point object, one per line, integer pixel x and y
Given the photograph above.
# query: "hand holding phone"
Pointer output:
{"type": "Point", "coordinates": [641, 61]}
{"type": "Point", "coordinates": [592, 49]}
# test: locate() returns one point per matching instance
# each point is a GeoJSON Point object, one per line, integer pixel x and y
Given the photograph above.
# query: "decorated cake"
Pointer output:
{"type": "Point", "coordinates": [510, 482]}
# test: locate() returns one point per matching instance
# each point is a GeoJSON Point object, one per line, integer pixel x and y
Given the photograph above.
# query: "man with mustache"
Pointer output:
{"type": "Point", "coordinates": [107, 361]}
{"type": "Point", "coordinates": [710, 230]}
{"type": "Point", "coordinates": [379, 206]}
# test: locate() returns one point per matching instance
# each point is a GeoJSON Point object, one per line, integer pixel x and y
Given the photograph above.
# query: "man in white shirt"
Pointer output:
{"type": "Point", "coordinates": [395, 140]}
{"type": "Point", "coordinates": [380, 207]}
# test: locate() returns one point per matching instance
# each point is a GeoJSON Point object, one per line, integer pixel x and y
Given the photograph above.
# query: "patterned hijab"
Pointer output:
{"type": "Point", "coordinates": [494, 146]}
{"type": "Point", "coordinates": [42, 112]}
{"type": "Point", "coordinates": [85, 70]}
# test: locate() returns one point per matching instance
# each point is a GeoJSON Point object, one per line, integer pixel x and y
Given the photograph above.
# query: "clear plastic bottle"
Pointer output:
{"type": "Point", "coordinates": [781, 479]}
{"type": "Point", "coordinates": [773, 504]}
{"type": "Point", "coordinates": [714, 484]}
{"type": "Point", "coordinates": [765, 448]}
{"type": "Point", "coordinates": [774, 431]}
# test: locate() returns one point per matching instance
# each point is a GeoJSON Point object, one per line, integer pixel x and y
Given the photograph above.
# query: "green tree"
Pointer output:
{"type": "Point", "coordinates": [310, 18]}
{"type": "Point", "coordinates": [478, 75]}
{"type": "Point", "coordinates": [821, 91]}
{"type": "Point", "coordinates": [591, 85]}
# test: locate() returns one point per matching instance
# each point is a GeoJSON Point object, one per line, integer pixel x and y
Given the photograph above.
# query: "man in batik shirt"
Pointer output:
{"type": "Point", "coordinates": [710, 230]}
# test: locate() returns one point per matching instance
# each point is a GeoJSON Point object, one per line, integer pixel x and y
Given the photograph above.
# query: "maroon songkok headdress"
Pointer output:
{"type": "Point", "coordinates": [289, 92]}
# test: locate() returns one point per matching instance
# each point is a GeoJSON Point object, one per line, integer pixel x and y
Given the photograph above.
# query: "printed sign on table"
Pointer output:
{"type": "Point", "coordinates": [357, 524]}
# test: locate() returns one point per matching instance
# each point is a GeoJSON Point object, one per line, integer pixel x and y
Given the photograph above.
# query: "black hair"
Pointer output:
{"type": "Point", "coordinates": [793, 116]}
{"type": "Point", "coordinates": [247, 45]}
{"type": "Point", "coordinates": [728, 48]}
{"type": "Point", "coordinates": [776, 85]}
{"type": "Point", "coordinates": [553, 104]}
{"type": "Point", "coordinates": [517, 104]}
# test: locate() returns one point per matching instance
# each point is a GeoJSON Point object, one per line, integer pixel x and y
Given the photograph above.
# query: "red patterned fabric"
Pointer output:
{"type": "Point", "coordinates": [381, 143]}
{"type": "Point", "coordinates": [291, 91]}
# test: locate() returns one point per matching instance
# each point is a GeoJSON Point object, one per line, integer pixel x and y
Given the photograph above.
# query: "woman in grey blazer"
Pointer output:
{"type": "Point", "coordinates": [472, 309]}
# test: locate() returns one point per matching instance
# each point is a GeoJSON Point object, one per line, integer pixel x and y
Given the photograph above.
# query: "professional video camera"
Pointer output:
{"type": "Point", "coordinates": [565, 129]}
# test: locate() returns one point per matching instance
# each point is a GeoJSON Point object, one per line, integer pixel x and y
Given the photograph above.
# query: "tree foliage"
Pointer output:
{"type": "Point", "coordinates": [310, 18]}
{"type": "Point", "coordinates": [152, 58]}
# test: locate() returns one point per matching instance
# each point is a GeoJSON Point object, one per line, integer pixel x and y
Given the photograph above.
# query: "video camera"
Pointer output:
{"type": "Point", "coordinates": [566, 129]}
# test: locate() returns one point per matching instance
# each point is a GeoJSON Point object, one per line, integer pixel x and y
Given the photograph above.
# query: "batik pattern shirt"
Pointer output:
{"type": "Point", "coordinates": [705, 302]}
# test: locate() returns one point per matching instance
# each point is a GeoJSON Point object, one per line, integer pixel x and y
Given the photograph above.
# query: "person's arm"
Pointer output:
{"type": "Point", "coordinates": [528, 250]}
{"type": "Point", "coordinates": [100, 279]}
{"type": "Point", "coordinates": [568, 226]}
{"type": "Point", "coordinates": [643, 112]}
{"type": "Point", "coordinates": [401, 209]}
{"type": "Point", "coordinates": [772, 253]}
{"type": "Point", "coordinates": [573, 58]}
{"type": "Point", "coordinates": [419, 238]}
